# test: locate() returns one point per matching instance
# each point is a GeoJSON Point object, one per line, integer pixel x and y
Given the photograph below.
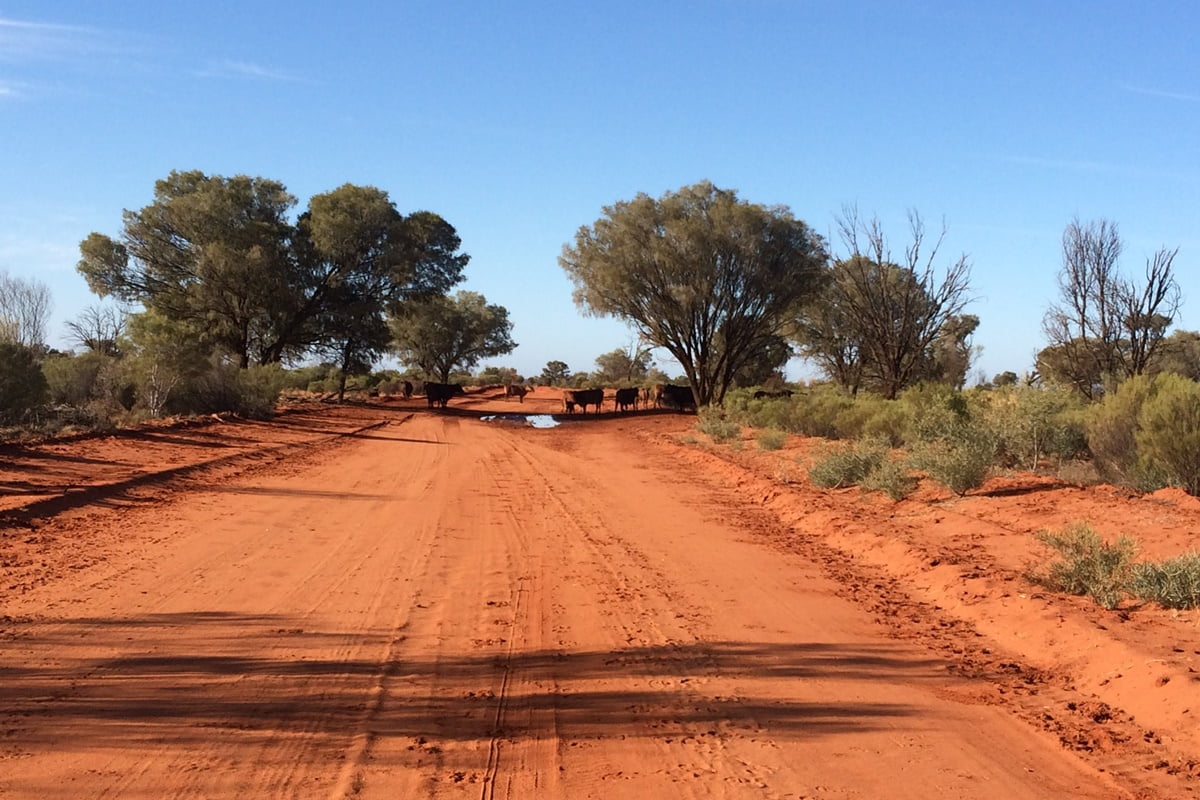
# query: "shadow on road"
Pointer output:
{"type": "Point", "coordinates": [260, 675]}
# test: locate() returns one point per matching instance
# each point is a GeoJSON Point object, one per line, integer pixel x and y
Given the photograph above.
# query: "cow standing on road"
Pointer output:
{"type": "Point", "coordinates": [515, 390]}
{"type": "Point", "coordinates": [678, 397]}
{"type": "Point", "coordinates": [626, 398]}
{"type": "Point", "coordinates": [440, 393]}
{"type": "Point", "coordinates": [583, 398]}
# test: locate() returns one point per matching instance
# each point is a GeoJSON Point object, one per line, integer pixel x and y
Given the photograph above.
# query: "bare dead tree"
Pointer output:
{"type": "Point", "coordinates": [98, 328]}
{"type": "Point", "coordinates": [24, 310]}
{"type": "Point", "coordinates": [1149, 312]}
{"type": "Point", "coordinates": [1105, 327]}
{"type": "Point", "coordinates": [896, 307]}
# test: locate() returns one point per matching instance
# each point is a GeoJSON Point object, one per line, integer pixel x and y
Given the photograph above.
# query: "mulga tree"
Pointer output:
{"type": "Point", "coordinates": [710, 278]}
{"type": "Point", "coordinates": [444, 334]}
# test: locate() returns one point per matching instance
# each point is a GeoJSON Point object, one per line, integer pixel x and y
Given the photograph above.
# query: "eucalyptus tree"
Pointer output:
{"type": "Point", "coordinates": [220, 255]}
{"type": "Point", "coordinates": [442, 334]}
{"type": "Point", "coordinates": [363, 261]}
{"type": "Point", "coordinates": [710, 278]}
{"type": "Point", "coordinates": [208, 250]}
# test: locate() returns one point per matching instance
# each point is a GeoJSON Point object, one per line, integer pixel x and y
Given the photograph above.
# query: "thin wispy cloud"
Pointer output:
{"type": "Point", "coordinates": [1189, 98]}
{"type": "Point", "coordinates": [22, 40]}
{"type": "Point", "coordinates": [229, 68]}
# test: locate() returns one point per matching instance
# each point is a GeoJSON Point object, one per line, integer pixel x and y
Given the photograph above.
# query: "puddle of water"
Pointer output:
{"type": "Point", "coordinates": [535, 420]}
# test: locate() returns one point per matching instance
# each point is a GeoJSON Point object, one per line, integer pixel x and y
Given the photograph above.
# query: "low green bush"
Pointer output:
{"type": "Point", "coordinates": [712, 422]}
{"type": "Point", "coordinates": [1089, 565]}
{"type": "Point", "coordinates": [1112, 432]}
{"type": "Point", "coordinates": [890, 477]}
{"type": "Point", "coordinates": [771, 439]}
{"type": "Point", "coordinates": [22, 385]}
{"type": "Point", "coordinates": [961, 461]}
{"type": "Point", "coordinates": [1168, 435]}
{"type": "Point", "coordinates": [1174, 583]}
{"type": "Point", "coordinates": [843, 465]}
{"type": "Point", "coordinates": [1031, 423]}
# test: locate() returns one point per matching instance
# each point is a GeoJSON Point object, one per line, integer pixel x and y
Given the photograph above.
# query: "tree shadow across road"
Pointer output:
{"type": "Point", "coordinates": [186, 674]}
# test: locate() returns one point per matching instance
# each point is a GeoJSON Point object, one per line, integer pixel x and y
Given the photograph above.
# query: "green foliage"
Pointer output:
{"type": "Point", "coordinates": [949, 442]}
{"type": "Point", "coordinates": [22, 385]}
{"type": "Point", "coordinates": [771, 439]}
{"type": "Point", "coordinates": [622, 367]}
{"type": "Point", "coordinates": [70, 379]}
{"type": "Point", "coordinates": [1031, 423]}
{"type": "Point", "coordinates": [960, 461]}
{"type": "Point", "coordinates": [250, 392]}
{"type": "Point", "coordinates": [1088, 565]}
{"type": "Point", "coordinates": [883, 325]}
{"type": "Point", "coordinates": [706, 276]}
{"type": "Point", "coordinates": [890, 477]}
{"type": "Point", "coordinates": [1114, 431]}
{"type": "Point", "coordinates": [220, 256]}
{"type": "Point", "coordinates": [1180, 354]}
{"type": "Point", "coordinates": [443, 334]}
{"type": "Point", "coordinates": [870, 416]}
{"type": "Point", "coordinates": [843, 465]}
{"type": "Point", "coordinates": [1168, 438]}
{"type": "Point", "coordinates": [712, 421]}
{"type": "Point", "coordinates": [1174, 583]}
{"type": "Point", "coordinates": [555, 373]}
{"type": "Point", "coordinates": [934, 412]}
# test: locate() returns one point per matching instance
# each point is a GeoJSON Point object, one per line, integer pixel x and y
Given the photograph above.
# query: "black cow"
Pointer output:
{"type": "Point", "coordinates": [440, 393]}
{"type": "Point", "coordinates": [762, 394]}
{"type": "Point", "coordinates": [627, 398]}
{"type": "Point", "coordinates": [515, 390]}
{"type": "Point", "coordinates": [407, 389]}
{"type": "Point", "coordinates": [679, 397]}
{"type": "Point", "coordinates": [583, 398]}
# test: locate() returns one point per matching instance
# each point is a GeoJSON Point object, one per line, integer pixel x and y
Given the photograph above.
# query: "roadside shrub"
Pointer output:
{"type": "Point", "coordinates": [1088, 565]}
{"type": "Point", "coordinates": [1031, 423]}
{"type": "Point", "coordinates": [1168, 434]}
{"type": "Point", "coordinates": [870, 416]}
{"type": "Point", "coordinates": [771, 439]}
{"type": "Point", "coordinates": [816, 412]}
{"type": "Point", "coordinates": [843, 465]}
{"type": "Point", "coordinates": [961, 461]}
{"type": "Point", "coordinates": [22, 384]}
{"type": "Point", "coordinates": [250, 392]}
{"type": "Point", "coordinates": [1112, 430]}
{"type": "Point", "coordinates": [1174, 583]}
{"type": "Point", "coordinates": [71, 379]}
{"type": "Point", "coordinates": [934, 412]}
{"type": "Point", "coordinates": [890, 477]}
{"type": "Point", "coordinates": [712, 421]}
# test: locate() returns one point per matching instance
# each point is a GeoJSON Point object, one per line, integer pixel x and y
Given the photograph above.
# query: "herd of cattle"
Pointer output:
{"type": "Point", "coordinates": [666, 395]}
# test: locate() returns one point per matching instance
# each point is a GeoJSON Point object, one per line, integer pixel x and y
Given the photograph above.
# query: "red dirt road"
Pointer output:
{"type": "Point", "coordinates": [385, 602]}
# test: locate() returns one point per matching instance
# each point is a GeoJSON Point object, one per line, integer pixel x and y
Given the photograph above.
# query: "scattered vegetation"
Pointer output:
{"type": "Point", "coordinates": [713, 422]}
{"type": "Point", "coordinates": [842, 465]}
{"type": "Point", "coordinates": [892, 478]}
{"type": "Point", "coordinates": [1089, 565]}
{"type": "Point", "coordinates": [1174, 583]}
{"type": "Point", "coordinates": [1107, 572]}
{"type": "Point", "coordinates": [771, 439]}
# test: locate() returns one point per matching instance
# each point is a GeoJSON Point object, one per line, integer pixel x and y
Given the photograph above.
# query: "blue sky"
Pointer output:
{"type": "Point", "coordinates": [518, 122]}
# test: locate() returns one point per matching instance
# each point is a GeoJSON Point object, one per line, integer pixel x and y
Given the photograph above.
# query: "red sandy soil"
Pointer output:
{"type": "Point", "coordinates": [378, 600]}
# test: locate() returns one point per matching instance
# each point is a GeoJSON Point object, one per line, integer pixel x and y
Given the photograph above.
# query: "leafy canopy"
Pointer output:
{"type": "Point", "coordinates": [443, 334]}
{"type": "Point", "coordinates": [706, 276]}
